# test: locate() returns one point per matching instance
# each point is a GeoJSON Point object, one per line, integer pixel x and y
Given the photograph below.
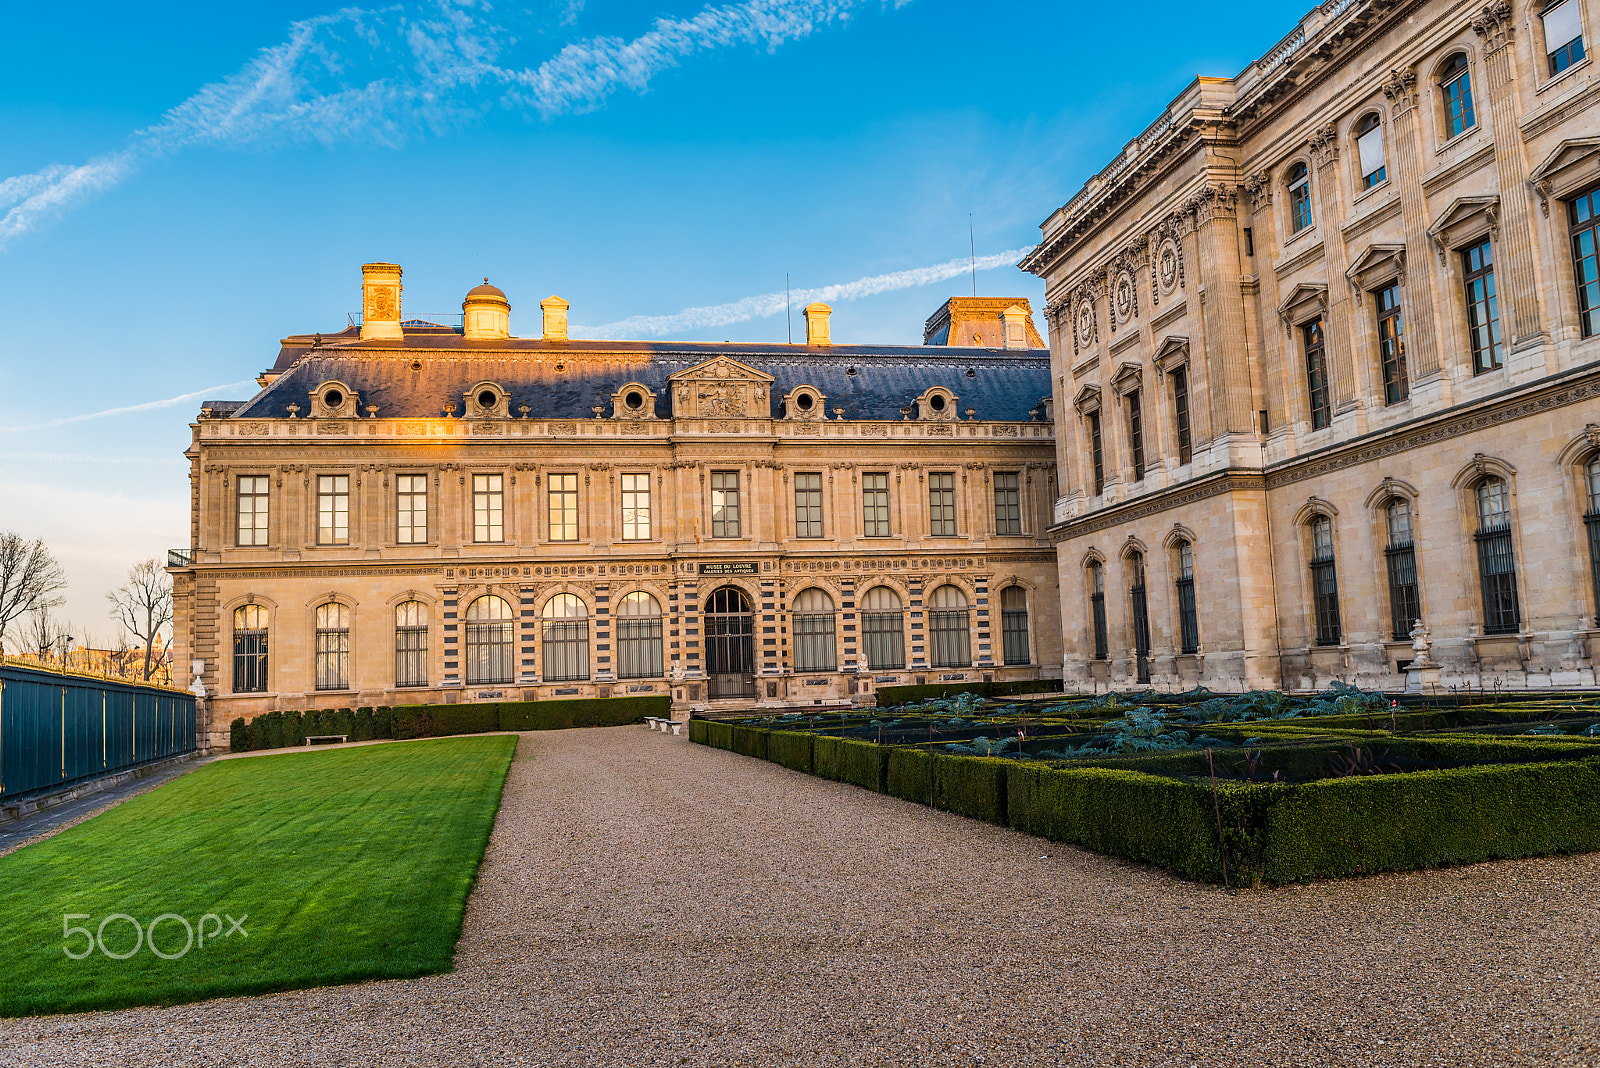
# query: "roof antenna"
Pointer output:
{"type": "Point", "coordinates": [972, 250]}
{"type": "Point", "coordinates": [787, 316]}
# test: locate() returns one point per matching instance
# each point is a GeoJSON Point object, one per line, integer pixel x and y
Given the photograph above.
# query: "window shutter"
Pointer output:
{"type": "Point", "coordinates": [1370, 147]}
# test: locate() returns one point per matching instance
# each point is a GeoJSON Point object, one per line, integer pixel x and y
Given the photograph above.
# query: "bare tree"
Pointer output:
{"type": "Point", "coordinates": [29, 580]}
{"type": "Point", "coordinates": [143, 605]}
{"type": "Point", "coordinates": [45, 634]}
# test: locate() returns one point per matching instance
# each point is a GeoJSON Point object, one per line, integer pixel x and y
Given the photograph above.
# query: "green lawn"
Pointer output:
{"type": "Point", "coordinates": [342, 865]}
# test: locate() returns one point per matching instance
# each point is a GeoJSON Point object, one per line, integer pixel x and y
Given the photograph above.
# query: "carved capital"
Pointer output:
{"type": "Point", "coordinates": [1324, 145]}
{"type": "Point", "coordinates": [1258, 187]}
{"type": "Point", "coordinates": [1214, 202]}
{"type": "Point", "coordinates": [1401, 88]}
{"type": "Point", "coordinates": [1493, 24]}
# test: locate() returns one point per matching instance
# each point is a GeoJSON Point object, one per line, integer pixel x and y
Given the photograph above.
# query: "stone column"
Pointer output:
{"type": "Point", "coordinates": [1421, 343]}
{"type": "Point", "coordinates": [1330, 201]}
{"type": "Point", "coordinates": [1232, 404]}
{"type": "Point", "coordinates": [1514, 262]}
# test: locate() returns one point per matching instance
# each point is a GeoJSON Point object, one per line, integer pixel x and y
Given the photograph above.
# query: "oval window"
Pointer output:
{"type": "Point", "coordinates": [634, 400]}
{"type": "Point", "coordinates": [936, 402]}
{"type": "Point", "coordinates": [333, 398]}
{"type": "Point", "coordinates": [486, 398]}
{"type": "Point", "coordinates": [804, 402]}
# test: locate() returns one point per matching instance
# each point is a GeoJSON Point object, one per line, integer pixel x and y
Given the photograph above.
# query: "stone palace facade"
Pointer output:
{"type": "Point", "coordinates": [1326, 354]}
{"type": "Point", "coordinates": [411, 512]}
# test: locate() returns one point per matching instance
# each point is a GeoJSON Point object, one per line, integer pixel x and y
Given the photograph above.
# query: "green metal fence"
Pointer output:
{"type": "Point", "coordinates": [56, 730]}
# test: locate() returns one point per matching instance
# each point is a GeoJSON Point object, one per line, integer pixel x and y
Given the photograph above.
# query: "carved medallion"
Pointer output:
{"type": "Point", "coordinates": [1086, 324]}
{"type": "Point", "coordinates": [1167, 266]}
{"type": "Point", "coordinates": [1123, 296]}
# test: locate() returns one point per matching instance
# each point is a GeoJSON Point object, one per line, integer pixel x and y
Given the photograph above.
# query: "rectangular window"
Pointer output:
{"type": "Point", "coordinates": [1097, 455]}
{"type": "Point", "coordinates": [725, 504]}
{"type": "Point", "coordinates": [1403, 603]}
{"type": "Point", "coordinates": [1591, 522]}
{"type": "Point", "coordinates": [1585, 225]}
{"type": "Point", "coordinates": [1483, 307]}
{"type": "Point", "coordinates": [1563, 35]}
{"type": "Point", "coordinates": [488, 508]}
{"type": "Point", "coordinates": [1317, 375]}
{"type": "Point", "coordinates": [1325, 583]}
{"type": "Point", "coordinates": [1136, 434]}
{"type": "Point", "coordinates": [1497, 573]}
{"type": "Point", "coordinates": [1391, 345]}
{"type": "Point", "coordinates": [253, 496]}
{"type": "Point", "coordinates": [1097, 605]}
{"type": "Point", "coordinates": [808, 504]}
{"type": "Point", "coordinates": [411, 509]}
{"type": "Point", "coordinates": [1369, 148]}
{"type": "Point", "coordinates": [1188, 617]}
{"type": "Point", "coordinates": [1014, 625]}
{"type": "Point", "coordinates": [636, 507]}
{"type": "Point", "coordinates": [411, 655]}
{"type": "Point", "coordinates": [1007, 502]}
{"type": "Point", "coordinates": [562, 495]}
{"type": "Point", "coordinates": [1180, 410]}
{"type": "Point", "coordinates": [333, 509]}
{"type": "Point", "coordinates": [1458, 99]}
{"type": "Point", "coordinates": [875, 505]}
{"type": "Point", "coordinates": [942, 504]}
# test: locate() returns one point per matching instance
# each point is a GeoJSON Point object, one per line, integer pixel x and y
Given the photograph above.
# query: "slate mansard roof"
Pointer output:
{"type": "Point", "coordinates": [432, 368]}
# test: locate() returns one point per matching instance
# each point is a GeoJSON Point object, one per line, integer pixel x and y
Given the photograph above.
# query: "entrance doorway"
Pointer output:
{"type": "Point", "coordinates": [730, 644]}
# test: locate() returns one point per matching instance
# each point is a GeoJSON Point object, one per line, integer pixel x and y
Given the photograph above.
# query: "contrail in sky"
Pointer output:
{"type": "Point", "coordinates": [768, 304]}
{"type": "Point", "coordinates": [376, 76]}
{"type": "Point", "coordinates": [209, 391]}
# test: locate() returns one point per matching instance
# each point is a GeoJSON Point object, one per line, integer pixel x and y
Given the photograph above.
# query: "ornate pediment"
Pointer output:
{"type": "Point", "coordinates": [1172, 353]}
{"type": "Point", "coordinates": [1573, 165]}
{"type": "Point", "coordinates": [720, 388]}
{"type": "Point", "coordinates": [1378, 265]}
{"type": "Point", "coordinates": [1465, 219]}
{"type": "Point", "coordinates": [1127, 378]}
{"type": "Point", "coordinates": [1306, 301]}
{"type": "Point", "coordinates": [1087, 399]}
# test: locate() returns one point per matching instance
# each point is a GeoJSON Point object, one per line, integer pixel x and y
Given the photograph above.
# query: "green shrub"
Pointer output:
{"type": "Point", "coordinates": [825, 755]}
{"type": "Point", "coordinates": [864, 764]}
{"type": "Point", "coordinates": [969, 786]}
{"type": "Point", "coordinates": [905, 695]}
{"type": "Point", "coordinates": [750, 741]}
{"type": "Point", "coordinates": [699, 731]}
{"type": "Point", "coordinates": [792, 749]}
{"type": "Point", "coordinates": [908, 776]}
{"type": "Point", "coordinates": [583, 712]}
{"type": "Point", "coordinates": [719, 735]}
{"type": "Point", "coordinates": [238, 736]}
{"type": "Point", "coordinates": [431, 721]}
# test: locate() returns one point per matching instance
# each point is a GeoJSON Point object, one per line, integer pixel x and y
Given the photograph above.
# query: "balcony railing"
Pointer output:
{"type": "Point", "coordinates": [453, 320]}
{"type": "Point", "coordinates": [180, 557]}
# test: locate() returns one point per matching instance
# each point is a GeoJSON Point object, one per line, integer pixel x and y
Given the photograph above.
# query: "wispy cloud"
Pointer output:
{"type": "Point", "coordinates": [386, 74]}
{"type": "Point", "coordinates": [167, 402]}
{"type": "Point", "coordinates": [769, 304]}
{"type": "Point", "coordinates": [96, 459]}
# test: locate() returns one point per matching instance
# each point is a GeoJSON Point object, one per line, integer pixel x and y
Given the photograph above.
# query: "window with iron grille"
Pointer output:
{"type": "Point", "coordinates": [1317, 374]}
{"type": "Point", "coordinates": [250, 649]}
{"type": "Point", "coordinates": [1391, 345]}
{"type": "Point", "coordinates": [1007, 502]}
{"type": "Point", "coordinates": [1325, 582]}
{"type": "Point", "coordinates": [253, 497]}
{"type": "Point", "coordinates": [808, 504]}
{"type": "Point", "coordinates": [566, 639]}
{"type": "Point", "coordinates": [1014, 625]}
{"type": "Point", "coordinates": [948, 628]}
{"type": "Point", "coordinates": [333, 647]}
{"type": "Point", "coordinates": [639, 637]}
{"type": "Point", "coordinates": [1497, 564]}
{"type": "Point", "coordinates": [1136, 434]}
{"type": "Point", "coordinates": [1405, 602]}
{"type": "Point", "coordinates": [333, 509]}
{"type": "Point", "coordinates": [942, 504]}
{"type": "Point", "coordinates": [875, 505]}
{"type": "Point", "coordinates": [1591, 521]}
{"type": "Point", "coordinates": [1180, 411]}
{"type": "Point", "coordinates": [411, 644]}
{"type": "Point", "coordinates": [1139, 599]}
{"type": "Point", "coordinates": [1188, 617]}
{"type": "Point", "coordinates": [813, 618]}
{"type": "Point", "coordinates": [1583, 213]}
{"type": "Point", "coordinates": [1455, 86]}
{"type": "Point", "coordinates": [562, 497]}
{"type": "Point", "coordinates": [1097, 608]}
{"type": "Point", "coordinates": [411, 509]}
{"type": "Point", "coordinates": [489, 640]}
{"type": "Point", "coordinates": [1097, 456]}
{"type": "Point", "coordinates": [488, 508]}
{"type": "Point", "coordinates": [883, 629]}
{"type": "Point", "coordinates": [1483, 306]}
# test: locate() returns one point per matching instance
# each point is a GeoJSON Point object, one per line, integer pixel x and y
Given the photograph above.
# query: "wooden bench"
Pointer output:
{"type": "Point", "coordinates": [310, 738]}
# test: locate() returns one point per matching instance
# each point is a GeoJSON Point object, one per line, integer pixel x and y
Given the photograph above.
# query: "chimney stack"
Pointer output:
{"type": "Point", "coordinates": [1015, 335]}
{"type": "Point", "coordinates": [817, 324]}
{"type": "Point", "coordinates": [555, 318]}
{"type": "Point", "coordinates": [380, 301]}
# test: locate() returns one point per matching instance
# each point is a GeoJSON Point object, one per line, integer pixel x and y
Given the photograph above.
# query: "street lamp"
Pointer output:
{"type": "Point", "coordinates": [65, 640]}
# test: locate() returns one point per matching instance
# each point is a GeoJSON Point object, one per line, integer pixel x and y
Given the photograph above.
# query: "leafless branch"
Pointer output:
{"type": "Point", "coordinates": [29, 580]}
{"type": "Point", "coordinates": [143, 605]}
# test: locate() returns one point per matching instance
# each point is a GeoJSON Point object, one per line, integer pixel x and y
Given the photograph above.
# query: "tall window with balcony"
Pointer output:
{"type": "Point", "coordinates": [1136, 434]}
{"type": "Point", "coordinates": [1583, 216]}
{"type": "Point", "coordinates": [875, 504]}
{"type": "Point", "coordinates": [1007, 502]}
{"type": "Point", "coordinates": [1325, 582]}
{"type": "Point", "coordinates": [942, 504]}
{"type": "Point", "coordinates": [411, 509]}
{"type": "Point", "coordinates": [636, 507]}
{"type": "Point", "coordinates": [411, 644]}
{"type": "Point", "coordinates": [488, 508]}
{"type": "Point", "coordinates": [1188, 617]}
{"type": "Point", "coordinates": [1405, 601]}
{"type": "Point", "coordinates": [1369, 151]}
{"type": "Point", "coordinates": [252, 508]}
{"type": "Point", "coordinates": [883, 629]}
{"type": "Point", "coordinates": [1097, 455]}
{"type": "Point", "coordinates": [725, 504]}
{"type": "Point", "coordinates": [1299, 183]}
{"type": "Point", "coordinates": [250, 649]}
{"type": "Point", "coordinates": [333, 509]}
{"type": "Point", "coordinates": [1014, 625]}
{"type": "Point", "coordinates": [1180, 413]}
{"type": "Point", "coordinates": [639, 637]}
{"type": "Point", "coordinates": [1591, 522]}
{"type": "Point", "coordinates": [562, 499]}
{"type": "Point", "coordinates": [566, 639]}
{"type": "Point", "coordinates": [808, 504]}
{"type": "Point", "coordinates": [1563, 35]}
{"type": "Point", "coordinates": [1483, 307]}
{"type": "Point", "coordinates": [1455, 90]}
{"type": "Point", "coordinates": [1097, 609]}
{"type": "Point", "coordinates": [949, 629]}
{"type": "Point", "coordinates": [1497, 562]}
{"type": "Point", "coordinates": [1391, 345]}
{"type": "Point", "coordinates": [813, 619]}
{"type": "Point", "coordinates": [489, 637]}
{"type": "Point", "coordinates": [1318, 395]}
{"type": "Point", "coordinates": [333, 647]}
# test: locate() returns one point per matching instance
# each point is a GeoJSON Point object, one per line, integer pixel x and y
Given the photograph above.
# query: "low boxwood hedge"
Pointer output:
{"type": "Point", "coordinates": [792, 749]}
{"type": "Point", "coordinates": [905, 695]}
{"type": "Point", "coordinates": [826, 752]}
{"type": "Point", "coordinates": [969, 786]}
{"type": "Point", "coordinates": [719, 735]}
{"type": "Point", "coordinates": [750, 741]}
{"type": "Point", "coordinates": [908, 774]}
{"type": "Point", "coordinates": [865, 765]}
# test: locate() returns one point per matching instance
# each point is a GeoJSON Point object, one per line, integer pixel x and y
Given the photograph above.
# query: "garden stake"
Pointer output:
{"type": "Point", "coordinates": [1222, 848]}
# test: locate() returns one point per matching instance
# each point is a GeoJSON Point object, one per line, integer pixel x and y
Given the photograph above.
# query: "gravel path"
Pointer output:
{"type": "Point", "coordinates": [646, 901]}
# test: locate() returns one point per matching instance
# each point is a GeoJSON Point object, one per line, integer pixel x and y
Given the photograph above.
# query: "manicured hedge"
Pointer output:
{"type": "Point", "coordinates": [792, 749]}
{"type": "Point", "coordinates": [750, 741]}
{"type": "Point", "coordinates": [905, 695]}
{"type": "Point", "coordinates": [719, 735]}
{"type": "Point", "coordinates": [826, 752]}
{"type": "Point", "coordinates": [699, 731]}
{"type": "Point", "coordinates": [909, 774]}
{"type": "Point", "coordinates": [969, 786]}
{"type": "Point", "coordinates": [275, 730]}
{"type": "Point", "coordinates": [865, 765]}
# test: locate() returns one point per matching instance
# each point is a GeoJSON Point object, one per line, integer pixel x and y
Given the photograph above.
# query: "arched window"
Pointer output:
{"type": "Point", "coordinates": [566, 639]}
{"type": "Point", "coordinates": [1369, 150]}
{"type": "Point", "coordinates": [249, 649]}
{"type": "Point", "coordinates": [1497, 563]}
{"type": "Point", "coordinates": [1455, 89]}
{"type": "Point", "coordinates": [1299, 182]}
{"type": "Point", "coordinates": [639, 637]}
{"type": "Point", "coordinates": [1014, 625]}
{"type": "Point", "coordinates": [813, 631]}
{"type": "Point", "coordinates": [1591, 520]}
{"type": "Point", "coordinates": [411, 644]}
{"type": "Point", "coordinates": [883, 629]}
{"type": "Point", "coordinates": [333, 647]}
{"type": "Point", "coordinates": [489, 634]}
{"type": "Point", "coordinates": [949, 629]}
{"type": "Point", "coordinates": [1139, 601]}
{"type": "Point", "coordinates": [1405, 603]}
{"type": "Point", "coordinates": [1188, 617]}
{"type": "Point", "coordinates": [1563, 34]}
{"type": "Point", "coordinates": [1097, 609]}
{"type": "Point", "coordinates": [1325, 582]}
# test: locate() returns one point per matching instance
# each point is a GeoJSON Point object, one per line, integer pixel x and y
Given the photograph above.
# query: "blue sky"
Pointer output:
{"type": "Point", "coordinates": [183, 184]}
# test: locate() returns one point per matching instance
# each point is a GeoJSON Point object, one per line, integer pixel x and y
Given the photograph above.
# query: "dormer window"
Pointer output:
{"type": "Point", "coordinates": [1299, 183]}
{"type": "Point", "coordinates": [633, 400]}
{"type": "Point", "coordinates": [486, 401]}
{"type": "Point", "coordinates": [1455, 85]}
{"type": "Point", "coordinates": [804, 402]}
{"type": "Point", "coordinates": [333, 400]}
{"type": "Point", "coordinates": [1563, 35]}
{"type": "Point", "coordinates": [1369, 149]}
{"type": "Point", "coordinates": [937, 405]}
